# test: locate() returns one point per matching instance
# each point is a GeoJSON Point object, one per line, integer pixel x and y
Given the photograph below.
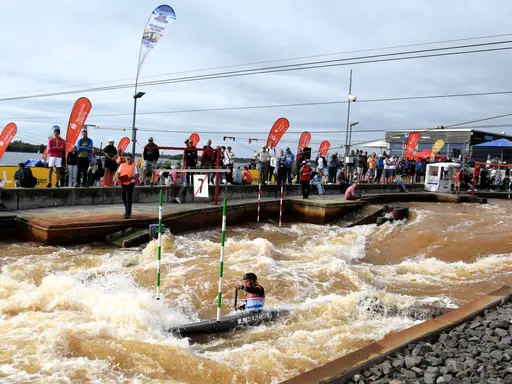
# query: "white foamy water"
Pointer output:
{"type": "Point", "coordinates": [89, 314]}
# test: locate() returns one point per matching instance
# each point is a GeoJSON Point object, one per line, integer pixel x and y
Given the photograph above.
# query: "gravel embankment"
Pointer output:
{"type": "Point", "coordinates": [478, 351]}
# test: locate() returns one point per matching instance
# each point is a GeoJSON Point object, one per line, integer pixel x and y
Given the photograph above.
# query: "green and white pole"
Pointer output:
{"type": "Point", "coordinates": [159, 245]}
{"type": "Point", "coordinates": [221, 265]}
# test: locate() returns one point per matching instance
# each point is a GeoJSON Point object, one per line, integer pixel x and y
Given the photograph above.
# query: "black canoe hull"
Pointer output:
{"type": "Point", "coordinates": [229, 323]}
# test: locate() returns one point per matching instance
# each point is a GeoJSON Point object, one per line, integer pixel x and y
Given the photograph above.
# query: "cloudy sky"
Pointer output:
{"type": "Point", "coordinates": [62, 45]}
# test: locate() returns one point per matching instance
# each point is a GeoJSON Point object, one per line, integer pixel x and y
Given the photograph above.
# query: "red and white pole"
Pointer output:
{"type": "Point", "coordinates": [259, 201]}
{"type": "Point", "coordinates": [281, 205]}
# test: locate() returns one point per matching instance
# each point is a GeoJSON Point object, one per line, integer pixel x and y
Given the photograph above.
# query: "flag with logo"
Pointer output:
{"type": "Point", "coordinates": [158, 22]}
{"type": "Point", "coordinates": [438, 145]}
{"type": "Point", "coordinates": [6, 137]}
{"type": "Point", "coordinates": [304, 141]}
{"type": "Point", "coordinates": [194, 139]}
{"type": "Point", "coordinates": [412, 142]}
{"type": "Point", "coordinates": [77, 119]}
{"type": "Point", "coordinates": [277, 131]}
{"type": "Point", "coordinates": [123, 144]}
{"type": "Point", "coordinates": [324, 148]}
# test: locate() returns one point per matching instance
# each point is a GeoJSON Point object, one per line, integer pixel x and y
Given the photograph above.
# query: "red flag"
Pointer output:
{"type": "Point", "coordinates": [277, 131]}
{"type": "Point", "coordinates": [412, 141]}
{"type": "Point", "coordinates": [6, 137]}
{"type": "Point", "coordinates": [194, 139]}
{"type": "Point", "coordinates": [123, 144]}
{"type": "Point", "coordinates": [77, 119]}
{"type": "Point", "coordinates": [324, 148]}
{"type": "Point", "coordinates": [304, 140]}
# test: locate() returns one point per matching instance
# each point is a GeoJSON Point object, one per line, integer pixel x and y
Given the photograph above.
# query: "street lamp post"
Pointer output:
{"type": "Point", "coordinates": [350, 134]}
{"type": "Point", "coordinates": [351, 98]}
{"type": "Point", "coordinates": [138, 95]}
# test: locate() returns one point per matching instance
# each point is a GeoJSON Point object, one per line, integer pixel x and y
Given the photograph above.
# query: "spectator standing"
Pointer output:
{"type": "Point", "coordinates": [365, 167]}
{"type": "Point", "coordinates": [92, 172]}
{"type": "Point", "coordinates": [263, 158]}
{"type": "Point", "coordinates": [289, 159]}
{"type": "Point", "coordinates": [84, 146]}
{"type": "Point", "coordinates": [127, 174]}
{"type": "Point", "coordinates": [273, 161]}
{"type": "Point", "coordinates": [380, 169]}
{"type": "Point", "coordinates": [392, 168]}
{"type": "Point", "coordinates": [56, 148]}
{"type": "Point", "coordinates": [372, 167]}
{"type": "Point", "coordinates": [349, 164]}
{"type": "Point", "coordinates": [110, 152]}
{"type": "Point", "coordinates": [321, 164]}
{"type": "Point", "coordinates": [280, 172]}
{"type": "Point", "coordinates": [360, 164]}
{"type": "Point", "coordinates": [151, 155]}
{"type": "Point", "coordinates": [207, 159]}
{"type": "Point", "coordinates": [419, 169]}
{"type": "Point", "coordinates": [387, 172]}
{"type": "Point", "coordinates": [332, 167]}
{"type": "Point", "coordinates": [305, 178]}
{"type": "Point", "coordinates": [72, 162]}
{"type": "Point", "coordinates": [412, 170]}
{"type": "Point", "coordinates": [190, 161]}
{"type": "Point", "coordinates": [229, 161]}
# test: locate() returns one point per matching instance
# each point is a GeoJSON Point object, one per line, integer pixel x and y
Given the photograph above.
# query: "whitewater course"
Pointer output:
{"type": "Point", "coordinates": [86, 312]}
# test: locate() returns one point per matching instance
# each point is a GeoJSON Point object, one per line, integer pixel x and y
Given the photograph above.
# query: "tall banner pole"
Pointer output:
{"type": "Point", "coordinates": [281, 205]}
{"type": "Point", "coordinates": [161, 17]}
{"type": "Point", "coordinates": [221, 264]}
{"type": "Point", "coordinates": [159, 245]}
{"type": "Point", "coordinates": [259, 200]}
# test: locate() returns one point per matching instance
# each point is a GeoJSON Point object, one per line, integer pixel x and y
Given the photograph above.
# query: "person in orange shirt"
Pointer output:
{"type": "Point", "coordinates": [372, 167]}
{"type": "Point", "coordinates": [127, 173]}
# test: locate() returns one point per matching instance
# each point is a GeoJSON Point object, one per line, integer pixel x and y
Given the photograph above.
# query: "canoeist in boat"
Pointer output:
{"type": "Point", "coordinates": [254, 293]}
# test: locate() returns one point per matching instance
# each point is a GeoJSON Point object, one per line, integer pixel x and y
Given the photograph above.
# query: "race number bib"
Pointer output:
{"type": "Point", "coordinates": [273, 161]}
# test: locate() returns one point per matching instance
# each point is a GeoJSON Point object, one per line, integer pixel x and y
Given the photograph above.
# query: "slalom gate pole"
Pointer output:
{"type": "Point", "coordinates": [159, 245]}
{"type": "Point", "coordinates": [221, 264]}
{"type": "Point", "coordinates": [259, 201]}
{"type": "Point", "coordinates": [281, 205]}
{"type": "Point", "coordinates": [236, 297]}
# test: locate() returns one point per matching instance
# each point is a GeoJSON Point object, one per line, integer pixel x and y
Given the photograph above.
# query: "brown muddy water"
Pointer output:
{"type": "Point", "coordinates": [88, 314]}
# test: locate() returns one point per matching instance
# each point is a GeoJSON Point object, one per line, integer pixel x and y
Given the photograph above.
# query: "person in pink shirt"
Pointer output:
{"type": "Point", "coordinates": [350, 193]}
{"type": "Point", "coordinates": [56, 148]}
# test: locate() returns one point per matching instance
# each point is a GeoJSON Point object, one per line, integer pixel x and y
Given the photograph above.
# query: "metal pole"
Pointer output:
{"type": "Point", "coordinates": [217, 179]}
{"type": "Point", "coordinates": [281, 205]}
{"type": "Point", "coordinates": [259, 198]}
{"type": "Point", "coordinates": [134, 130]}
{"type": "Point", "coordinates": [159, 245]}
{"type": "Point", "coordinates": [348, 115]}
{"type": "Point", "coordinates": [221, 265]}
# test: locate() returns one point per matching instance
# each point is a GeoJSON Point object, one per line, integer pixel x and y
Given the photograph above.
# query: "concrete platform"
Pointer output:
{"type": "Point", "coordinates": [341, 370]}
{"type": "Point", "coordinates": [92, 223]}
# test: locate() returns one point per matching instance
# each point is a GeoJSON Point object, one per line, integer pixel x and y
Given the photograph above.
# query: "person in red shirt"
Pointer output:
{"type": "Point", "coordinates": [458, 179]}
{"type": "Point", "coordinates": [56, 148]}
{"type": "Point", "coordinates": [305, 178]}
{"type": "Point", "coordinates": [246, 176]}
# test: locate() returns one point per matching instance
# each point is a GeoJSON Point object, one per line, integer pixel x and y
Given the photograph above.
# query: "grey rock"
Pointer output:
{"type": "Point", "coordinates": [475, 324]}
{"type": "Point", "coordinates": [499, 324]}
{"type": "Point", "coordinates": [397, 363]}
{"type": "Point", "coordinates": [433, 370]}
{"type": "Point", "coordinates": [386, 367]}
{"type": "Point", "coordinates": [470, 363]}
{"type": "Point", "coordinates": [357, 378]}
{"type": "Point", "coordinates": [497, 355]}
{"type": "Point", "coordinates": [500, 332]}
{"type": "Point", "coordinates": [419, 371]}
{"type": "Point", "coordinates": [408, 373]}
{"type": "Point", "coordinates": [443, 337]}
{"type": "Point", "coordinates": [454, 366]}
{"type": "Point", "coordinates": [444, 370]}
{"type": "Point", "coordinates": [433, 361]}
{"type": "Point", "coordinates": [452, 343]}
{"type": "Point", "coordinates": [412, 361]}
{"type": "Point", "coordinates": [366, 373]}
{"type": "Point", "coordinates": [421, 350]}
{"type": "Point", "coordinates": [376, 370]}
{"type": "Point", "coordinates": [430, 378]}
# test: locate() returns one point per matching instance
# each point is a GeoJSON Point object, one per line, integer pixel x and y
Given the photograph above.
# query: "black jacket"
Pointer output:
{"type": "Point", "coordinates": [151, 152]}
{"type": "Point", "coordinates": [191, 157]}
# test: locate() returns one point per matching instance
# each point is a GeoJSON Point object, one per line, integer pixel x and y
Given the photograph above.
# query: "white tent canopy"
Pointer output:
{"type": "Point", "coordinates": [374, 144]}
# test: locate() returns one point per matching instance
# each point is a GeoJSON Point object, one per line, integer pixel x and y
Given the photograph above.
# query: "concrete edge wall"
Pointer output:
{"type": "Point", "coordinates": [341, 370]}
{"type": "Point", "coordinates": [29, 198]}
